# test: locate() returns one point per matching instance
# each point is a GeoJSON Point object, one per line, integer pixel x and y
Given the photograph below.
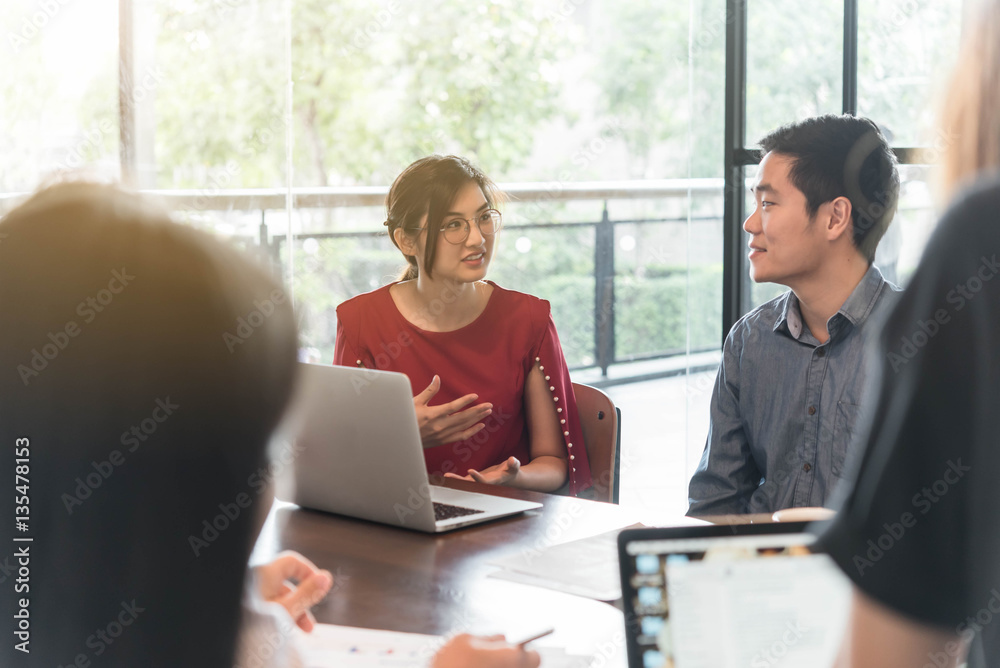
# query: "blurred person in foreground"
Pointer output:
{"type": "Point", "coordinates": [919, 531]}
{"type": "Point", "coordinates": [137, 417]}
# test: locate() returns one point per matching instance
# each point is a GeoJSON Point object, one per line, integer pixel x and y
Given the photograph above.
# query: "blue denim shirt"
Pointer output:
{"type": "Point", "coordinates": [784, 407]}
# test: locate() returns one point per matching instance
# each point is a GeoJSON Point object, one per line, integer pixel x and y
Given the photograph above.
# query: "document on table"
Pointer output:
{"type": "Point", "coordinates": [586, 567]}
{"type": "Point", "coordinates": [330, 646]}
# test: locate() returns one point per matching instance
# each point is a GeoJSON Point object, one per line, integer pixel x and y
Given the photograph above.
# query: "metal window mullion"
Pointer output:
{"type": "Point", "coordinates": [851, 57]}
{"type": "Point", "coordinates": [604, 292]}
{"type": "Point", "coordinates": [734, 288]}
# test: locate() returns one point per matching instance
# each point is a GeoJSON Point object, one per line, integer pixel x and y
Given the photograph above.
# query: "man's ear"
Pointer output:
{"type": "Point", "coordinates": [839, 221]}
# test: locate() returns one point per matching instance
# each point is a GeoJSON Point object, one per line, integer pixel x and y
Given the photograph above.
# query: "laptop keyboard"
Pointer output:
{"type": "Point", "coordinates": [443, 511]}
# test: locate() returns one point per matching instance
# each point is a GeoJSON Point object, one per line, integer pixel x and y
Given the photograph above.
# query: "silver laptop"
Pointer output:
{"type": "Point", "coordinates": [730, 596]}
{"type": "Point", "coordinates": [359, 454]}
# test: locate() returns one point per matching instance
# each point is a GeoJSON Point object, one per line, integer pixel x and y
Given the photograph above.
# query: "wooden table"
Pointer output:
{"type": "Point", "coordinates": [401, 580]}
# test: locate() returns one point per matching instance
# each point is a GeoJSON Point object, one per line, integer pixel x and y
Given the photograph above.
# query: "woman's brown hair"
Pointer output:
{"type": "Point", "coordinates": [114, 317]}
{"type": "Point", "coordinates": [970, 118]}
{"type": "Point", "coordinates": [428, 187]}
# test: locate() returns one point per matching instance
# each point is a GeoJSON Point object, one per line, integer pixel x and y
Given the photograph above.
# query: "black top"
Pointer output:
{"type": "Point", "coordinates": [920, 530]}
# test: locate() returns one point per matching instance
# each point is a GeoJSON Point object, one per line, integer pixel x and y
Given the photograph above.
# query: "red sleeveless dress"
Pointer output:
{"type": "Point", "coordinates": [490, 356]}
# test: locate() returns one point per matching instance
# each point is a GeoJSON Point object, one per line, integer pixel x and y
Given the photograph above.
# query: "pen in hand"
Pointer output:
{"type": "Point", "coordinates": [522, 643]}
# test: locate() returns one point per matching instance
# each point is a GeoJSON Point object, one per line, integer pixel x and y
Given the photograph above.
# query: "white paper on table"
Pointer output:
{"type": "Point", "coordinates": [586, 567]}
{"type": "Point", "coordinates": [330, 646]}
{"type": "Point", "coordinates": [585, 590]}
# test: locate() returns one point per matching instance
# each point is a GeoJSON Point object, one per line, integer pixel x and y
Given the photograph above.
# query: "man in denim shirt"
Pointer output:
{"type": "Point", "coordinates": [789, 389]}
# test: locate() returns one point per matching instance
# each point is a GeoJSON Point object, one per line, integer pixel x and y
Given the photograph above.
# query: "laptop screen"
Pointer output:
{"type": "Point", "coordinates": [752, 596]}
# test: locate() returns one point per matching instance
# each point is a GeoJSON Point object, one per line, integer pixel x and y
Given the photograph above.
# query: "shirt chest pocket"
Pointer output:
{"type": "Point", "coordinates": [844, 426]}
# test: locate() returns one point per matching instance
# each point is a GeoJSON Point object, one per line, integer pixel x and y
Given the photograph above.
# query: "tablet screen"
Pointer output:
{"type": "Point", "coordinates": [725, 601]}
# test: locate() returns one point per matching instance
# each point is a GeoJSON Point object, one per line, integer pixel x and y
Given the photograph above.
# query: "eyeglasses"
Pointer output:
{"type": "Point", "coordinates": [456, 230]}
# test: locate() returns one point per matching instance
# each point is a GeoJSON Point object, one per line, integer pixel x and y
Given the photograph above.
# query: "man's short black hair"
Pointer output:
{"type": "Point", "coordinates": [842, 156]}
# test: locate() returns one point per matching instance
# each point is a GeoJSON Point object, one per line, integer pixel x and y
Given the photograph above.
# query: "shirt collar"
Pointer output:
{"type": "Point", "coordinates": [855, 310]}
{"type": "Point", "coordinates": [790, 319]}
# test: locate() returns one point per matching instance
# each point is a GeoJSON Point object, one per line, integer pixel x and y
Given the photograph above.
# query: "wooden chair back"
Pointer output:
{"type": "Point", "coordinates": [601, 423]}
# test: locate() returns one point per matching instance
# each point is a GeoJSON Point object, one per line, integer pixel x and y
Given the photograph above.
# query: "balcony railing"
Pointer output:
{"type": "Point", "coordinates": [270, 202]}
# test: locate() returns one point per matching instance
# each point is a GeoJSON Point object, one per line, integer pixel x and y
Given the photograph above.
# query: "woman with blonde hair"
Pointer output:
{"type": "Point", "coordinates": [919, 532]}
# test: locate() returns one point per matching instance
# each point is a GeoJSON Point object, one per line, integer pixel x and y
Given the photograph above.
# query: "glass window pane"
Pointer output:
{"type": "Point", "coordinates": [668, 295]}
{"type": "Point", "coordinates": [58, 91]}
{"type": "Point", "coordinates": [330, 270]}
{"type": "Point", "coordinates": [556, 264]}
{"type": "Point", "coordinates": [905, 50]}
{"type": "Point", "coordinates": [212, 116]}
{"type": "Point", "coordinates": [220, 101]}
{"type": "Point", "coordinates": [900, 250]}
{"type": "Point", "coordinates": [795, 62]}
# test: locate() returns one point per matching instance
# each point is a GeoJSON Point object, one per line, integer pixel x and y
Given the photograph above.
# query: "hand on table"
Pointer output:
{"type": "Point", "coordinates": [465, 650]}
{"type": "Point", "coordinates": [445, 423]}
{"type": "Point", "coordinates": [500, 474]}
{"type": "Point", "coordinates": [313, 585]}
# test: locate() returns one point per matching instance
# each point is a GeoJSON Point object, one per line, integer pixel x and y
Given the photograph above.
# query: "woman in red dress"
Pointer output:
{"type": "Point", "coordinates": [503, 409]}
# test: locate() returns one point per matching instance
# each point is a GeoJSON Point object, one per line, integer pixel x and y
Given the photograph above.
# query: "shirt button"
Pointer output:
{"type": "Point", "coordinates": [812, 410]}
{"type": "Point", "coordinates": [821, 352]}
{"type": "Point", "coordinates": [807, 468]}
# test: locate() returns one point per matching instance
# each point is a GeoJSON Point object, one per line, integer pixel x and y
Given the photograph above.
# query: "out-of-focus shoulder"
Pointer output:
{"type": "Point", "coordinates": [976, 209]}
{"type": "Point", "coordinates": [968, 232]}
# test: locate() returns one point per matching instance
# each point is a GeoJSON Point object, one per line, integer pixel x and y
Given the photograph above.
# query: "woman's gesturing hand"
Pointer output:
{"type": "Point", "coordinates": [448, 423]}
{"type": "Point", "coordinates": [503, 473]}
